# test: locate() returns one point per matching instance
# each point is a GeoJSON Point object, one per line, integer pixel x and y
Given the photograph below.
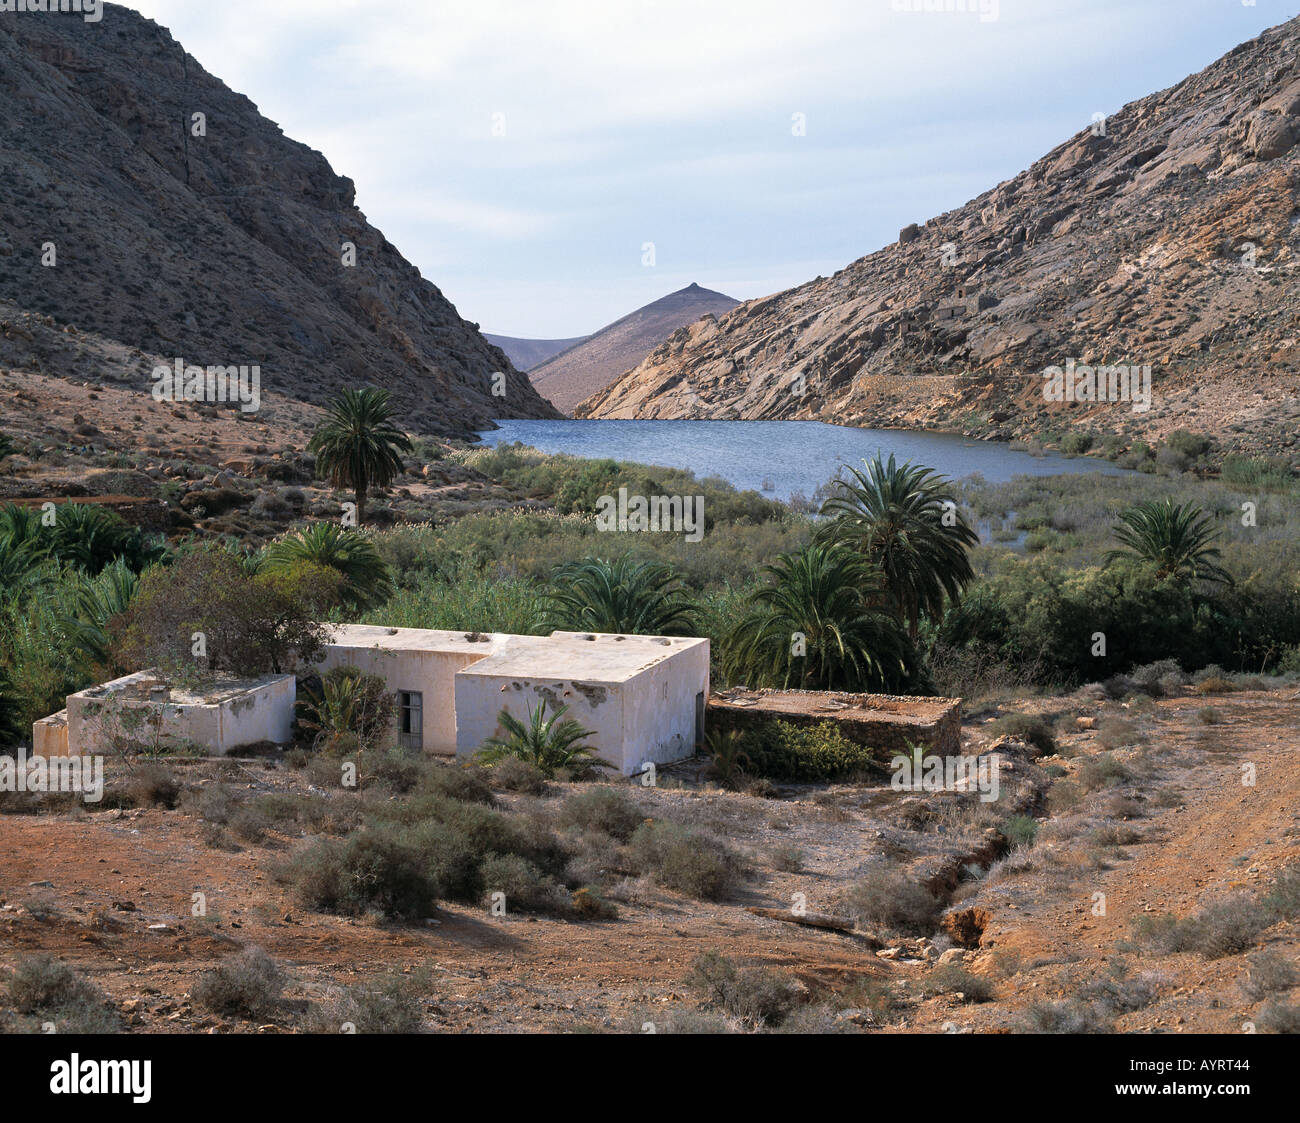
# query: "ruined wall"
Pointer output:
{"type": "Point", "coordinates": [262, 712]}
{"type": "Point", "coordinates": [885, 722]}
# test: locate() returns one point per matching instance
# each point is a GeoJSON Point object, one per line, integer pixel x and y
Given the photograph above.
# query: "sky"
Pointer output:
{"type": "Point", "coordinates": [551, 165]}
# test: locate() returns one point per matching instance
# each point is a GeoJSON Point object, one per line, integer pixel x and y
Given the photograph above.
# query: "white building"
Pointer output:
{"type": "Point", "coordinates": [148, 712]}
{"type": "Point", "coordinates": [642, 697]}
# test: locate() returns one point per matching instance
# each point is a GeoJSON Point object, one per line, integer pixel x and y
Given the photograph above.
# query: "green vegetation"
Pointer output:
{"type": "Point", "coordinates": [351, 554]}
{"type": "Point", "coordinates": [349, 713]}
{"type": "Point", "coordinates": [622, 597]}
{"type": "Point", "coordinates": [1116, 574]}
{"type": "Point", "coordinates": [549, 744]}
{"type": "Point", "coordinates": [1177, 540]}
{"type": "Point", "coordinates": [782, 750]}
{"type": "Point", "coordinates": [820, 623]}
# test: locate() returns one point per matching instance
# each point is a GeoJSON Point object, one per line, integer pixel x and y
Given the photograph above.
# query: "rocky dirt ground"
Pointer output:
{"type": "Point", "coordinates": [1167, 826]}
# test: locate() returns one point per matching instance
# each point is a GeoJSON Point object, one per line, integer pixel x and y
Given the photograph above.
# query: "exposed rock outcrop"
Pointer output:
{"type": "Point", "coordinates": [1165, 235]}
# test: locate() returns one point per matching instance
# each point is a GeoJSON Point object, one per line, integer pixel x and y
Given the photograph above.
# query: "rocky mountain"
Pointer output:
{"type": "Point", "coordinates": [528, 353]}
{"type": "Point", "coordinates": [593, 363]}
{"type": "Point", "coordinates": [152, 211]}
{"type": "Point", "coordinates": [1165, 235]}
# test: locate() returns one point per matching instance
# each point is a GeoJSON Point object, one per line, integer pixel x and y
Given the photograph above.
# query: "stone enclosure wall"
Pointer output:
{"type": "Point", "coordinates": [886, 722]}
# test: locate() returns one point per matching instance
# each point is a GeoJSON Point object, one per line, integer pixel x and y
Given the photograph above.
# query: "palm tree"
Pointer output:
{"type": "Point", "coordinates": [1177, 539]}
{"type": "Point", "coordinates": [821, 623]}
{"type": "Point", "coordinates": [357, 445]}
{"type": "Point", "coordinates": [366, 577]}
{"type": "Point", "coordinates": [622, 596]}
{"type": "Point", "coordinates": [547, 743]}
{"type": "Point", "coordinates": [90, 537]}
{"type": "Point", "coordinates": [21, 529]}
{"type": "Point", "coordinates": [95, 602]}
{"type": "Point", "coordinates": [903, 519]}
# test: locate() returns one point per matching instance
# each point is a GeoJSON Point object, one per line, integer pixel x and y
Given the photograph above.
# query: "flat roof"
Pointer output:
{"type": "Point", "coordinates": [415, 639]}
{"type": "Point", "coordinates": [588, 656]}
{"type": "Point", "coordinates": [153, 686]}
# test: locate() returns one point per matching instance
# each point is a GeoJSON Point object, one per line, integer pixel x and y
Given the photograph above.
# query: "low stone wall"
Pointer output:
{"type": "Point", "coordinates": [148, 514]}
{"type": "Point", "coordinates": [888, 723]}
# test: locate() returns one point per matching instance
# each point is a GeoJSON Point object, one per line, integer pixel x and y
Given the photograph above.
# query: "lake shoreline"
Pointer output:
{"type": "Point", "coordinates": [783, 459]}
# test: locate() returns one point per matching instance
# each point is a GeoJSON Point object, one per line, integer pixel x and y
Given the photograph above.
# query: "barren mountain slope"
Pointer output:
{"type": "Point", "coordinates": [1170, 240]}
{"type": "Point", "coordinates": [600, 358]}
{"type": "Point", "coordinates": [528, 353]}
{"type": "Point", "coordinates": [218, 240]}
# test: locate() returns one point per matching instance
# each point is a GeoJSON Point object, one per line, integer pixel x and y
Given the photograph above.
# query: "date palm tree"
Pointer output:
{"type": "Point", "coordinates": [822, 622]}
{"type": "Point", "coordinates": [357, 445]}
{"type": "Point", "coordinates": [547, 743]}
{"type": "Point", "coordinates": [904, 520]}
{"type": "Point", "coordinates": [621, 596]}
{"type": "Point", "coordinates": [1178, 539]}
{"type": "Point", "coordinates": [366, 577]}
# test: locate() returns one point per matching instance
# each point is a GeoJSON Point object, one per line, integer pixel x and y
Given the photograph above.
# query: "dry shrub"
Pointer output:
{"type": "Point", "coordinates": [249, 984]}
{"type": "Point", "coordinates": [891, 900]}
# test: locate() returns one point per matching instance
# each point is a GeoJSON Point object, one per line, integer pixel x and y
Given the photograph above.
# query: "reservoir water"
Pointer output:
{"type": "Point", "coordinates": [790, 456]}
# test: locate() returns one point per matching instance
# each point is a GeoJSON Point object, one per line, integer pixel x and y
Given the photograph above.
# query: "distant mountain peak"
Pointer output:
{"type": "Point", "coordinates": [591, 364]}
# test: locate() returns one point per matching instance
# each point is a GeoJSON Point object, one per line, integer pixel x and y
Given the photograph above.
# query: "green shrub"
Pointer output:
{"type": "Point", "coordinates": [152, 785]}
{"type": "Point", "coordinates": [1279, 1017]}
{"type": "Point", "coordinates": [389, 1004]}
{"type": "Point", "coordinates": [456, 782]}
{"type": "Point", "coordinates": [590, 905]}
{"type": "Point", "coordinates": [1020, 831]}
{"type": "Point", "coordinates": [1119, 993]}
{"type": "Point", "coordinates": [821, 753]}
{"type": "Point", "coordinates": [952, 978]}
{"type": "Point", "coordinates": [523, 886]}
{"type": "Point", "coordinates": [1228, 926]}
{"type": "Point", "coordinates": [1071, 1016]}
{"type": "Point", "coordinates": [1076, 443]}
{"type": "Point", "coordinates": [41, 984]}
{"type": "Point", "coordinates": [1283, 898]}
{"type": "Point", "coordinates": [1101, 771]}
{"type": "Point", "coordinates": [514, 775]}
{"type": "Point", "coordinates": [788, 859]}
{"type": "Point", "coordinates": [1268, 972]}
